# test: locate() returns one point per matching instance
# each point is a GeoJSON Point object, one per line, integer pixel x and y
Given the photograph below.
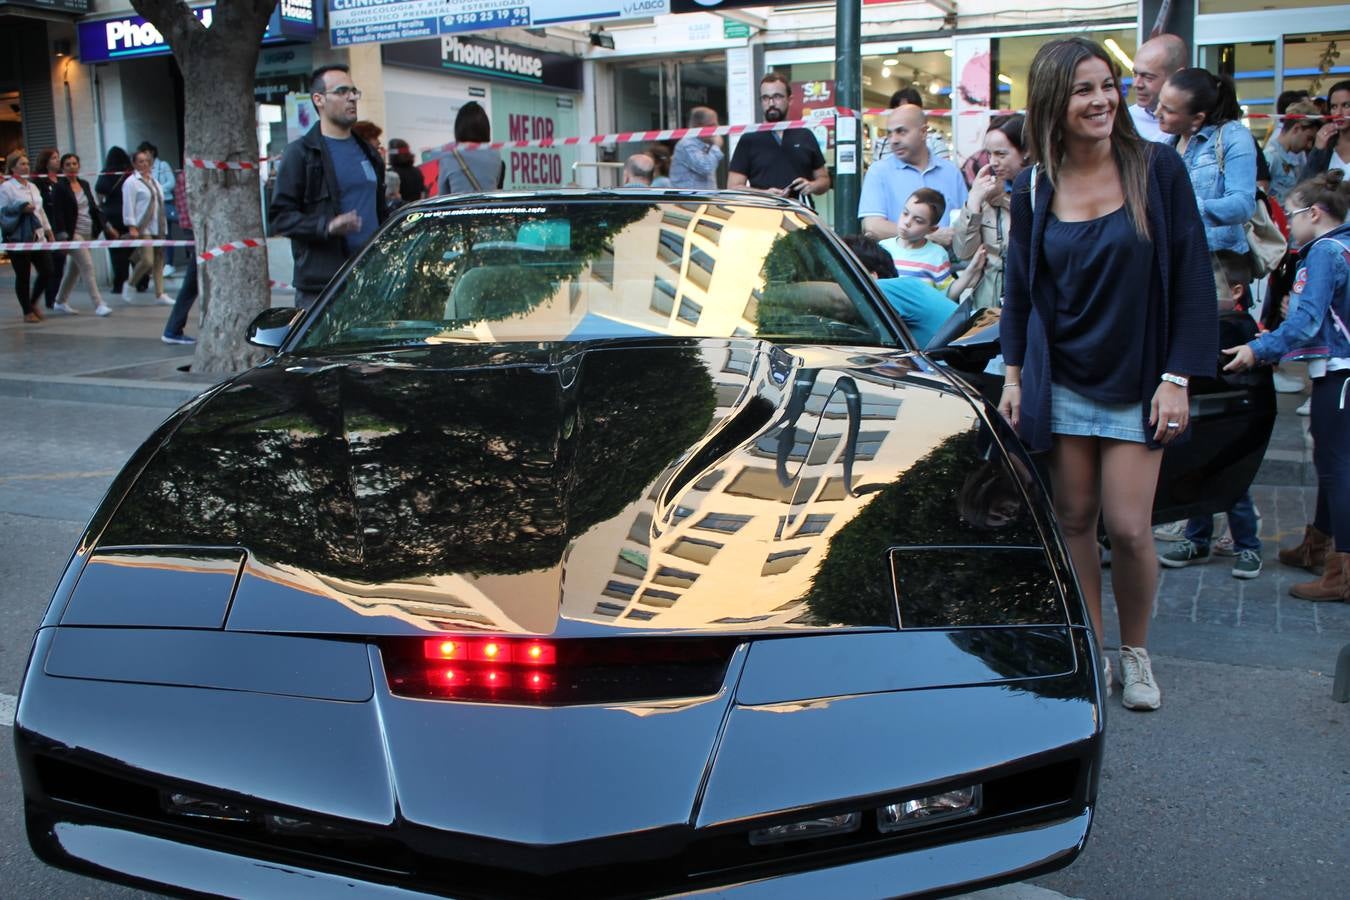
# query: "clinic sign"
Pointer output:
{"type": "Point", "coordinates": [487, 59]}
{"type": "Point", "coordinates": [382, 21]}
{"type": "Point", "coordinates": [131, 37]}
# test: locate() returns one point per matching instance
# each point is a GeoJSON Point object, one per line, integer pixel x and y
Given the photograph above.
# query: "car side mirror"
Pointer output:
{"type": "Point", "coordinates": [270, 327]}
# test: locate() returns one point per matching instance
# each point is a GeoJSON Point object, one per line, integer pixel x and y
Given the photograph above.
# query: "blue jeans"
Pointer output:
{"type": "Point", "coordinates": [187, 295]}
{"type": "Point", "coordinates": [1330, 428]}
{"type": "Point", "coordinates": [1241, 525]}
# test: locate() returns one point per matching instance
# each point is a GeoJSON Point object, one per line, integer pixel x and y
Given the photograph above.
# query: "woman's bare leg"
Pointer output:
{"type": "Point", "coordinates": [1129, 478]}
{"type": "Point", "coordinates": [1075, 478]}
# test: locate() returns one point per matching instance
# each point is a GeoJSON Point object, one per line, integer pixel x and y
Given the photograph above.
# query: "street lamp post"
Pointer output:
{"type": "Point", "coordinates": [847, 132]}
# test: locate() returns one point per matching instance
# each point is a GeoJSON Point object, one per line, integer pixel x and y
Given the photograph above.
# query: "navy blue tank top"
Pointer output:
{"type": "Point", "coordinates": [1098, 273]}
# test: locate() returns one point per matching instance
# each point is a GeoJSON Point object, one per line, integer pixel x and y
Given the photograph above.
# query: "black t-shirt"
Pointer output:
{"type": "Point", "coordinates": [767, 164]}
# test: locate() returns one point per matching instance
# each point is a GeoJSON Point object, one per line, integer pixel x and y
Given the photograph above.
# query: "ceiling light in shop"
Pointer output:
{"type": "Point", "coordinates": [949, 53]}
{"type": "Point", "coordinates": [890, 62]}
{"type": "Point", "coordinates": [1119, 54]}
{"type": "Point", "coordinates": [885, 71]}
{"type": "Point", "coordinates": [1005, 79]}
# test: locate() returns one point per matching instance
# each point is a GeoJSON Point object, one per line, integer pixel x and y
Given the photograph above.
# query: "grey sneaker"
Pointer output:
{"type": "Point", "coordinates": [1172, 531]}
{"type": "Point", "coordinates": [1247, 564]}
{"type": "Point", "coordinates": [1184, 554]}
{"type": "Point", "coordinates": [1136, 674]}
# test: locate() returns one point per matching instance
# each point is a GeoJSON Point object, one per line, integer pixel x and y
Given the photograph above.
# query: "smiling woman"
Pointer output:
{"type": "Point", "coordinates": [1096, 374]}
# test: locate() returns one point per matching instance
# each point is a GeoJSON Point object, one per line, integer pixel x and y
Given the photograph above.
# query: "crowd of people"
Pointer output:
{"type": "Point", "coordinates": [134, 197]}
{"type": "Point", "coordinates": [1070, 210]}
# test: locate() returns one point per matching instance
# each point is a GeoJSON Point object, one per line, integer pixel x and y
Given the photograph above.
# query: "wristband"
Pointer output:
{"type": "Point", "coordinates": [1008, 384]}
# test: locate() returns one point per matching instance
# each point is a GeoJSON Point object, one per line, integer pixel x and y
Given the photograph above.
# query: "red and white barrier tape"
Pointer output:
{"type": "Point", "coordinates": [94, 245]}
{"type": "Point", "coordinates": [229, 247]}
{"type": "Point", "coordinates": [632, 137]}
{"type": "Point", "coordinates": [828, 117]}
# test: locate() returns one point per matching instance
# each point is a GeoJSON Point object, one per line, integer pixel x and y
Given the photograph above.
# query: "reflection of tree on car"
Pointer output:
{"type": "Point", "coordinates": [923, 506]}
{"type": "Point", "coordinates": [419, 474]}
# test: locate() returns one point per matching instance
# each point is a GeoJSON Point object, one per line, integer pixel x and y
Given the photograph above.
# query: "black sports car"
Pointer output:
{"type": "Point", "coordinates": [608, 544]}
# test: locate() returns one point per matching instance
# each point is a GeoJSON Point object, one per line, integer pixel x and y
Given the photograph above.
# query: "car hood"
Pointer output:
{"type": "Point", "coordinates": [573, 490]}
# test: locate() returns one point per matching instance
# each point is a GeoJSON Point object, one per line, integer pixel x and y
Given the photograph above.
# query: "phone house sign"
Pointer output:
{"type": "Point", "coordinates": [131, 37]}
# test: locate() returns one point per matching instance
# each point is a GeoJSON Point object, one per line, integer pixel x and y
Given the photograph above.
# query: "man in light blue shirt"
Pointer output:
{"type": "Point", "coordinates": [908, 167]}
{"type": "Point", "coordinates": [695, 161]}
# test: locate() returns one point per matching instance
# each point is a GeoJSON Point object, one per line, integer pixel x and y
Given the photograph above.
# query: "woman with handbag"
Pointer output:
{"type": "Point", "coordinates": [1108, 309]}
{"type": "Point", "coordinates": [116, 170]}
{"type": "Point", "coordinates": [1201, 110]}
{"type": "Point", "coordinates": [143, 211]}
{"type": "Point", "coordinates": [23, 220]}
{"type": "Point", "coordinates": [46, 173]}
{"type": "Point", "coordinates": [76, 213]}
{"type": "Point", "coordinates": [466, 170]}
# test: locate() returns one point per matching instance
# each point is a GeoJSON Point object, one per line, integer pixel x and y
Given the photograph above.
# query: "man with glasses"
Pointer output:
{"type": "Point", "coordinates": [784, 163]}
{"type": "Point", "coordinates": [329, 196]}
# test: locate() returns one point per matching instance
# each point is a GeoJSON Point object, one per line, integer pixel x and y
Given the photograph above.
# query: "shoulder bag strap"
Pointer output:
{"type": "Point", "coordinates": [464, 167]}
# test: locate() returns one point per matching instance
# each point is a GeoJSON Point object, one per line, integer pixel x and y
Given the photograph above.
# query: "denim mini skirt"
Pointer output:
{"type": "Point", "coordinates": [1072, 413]}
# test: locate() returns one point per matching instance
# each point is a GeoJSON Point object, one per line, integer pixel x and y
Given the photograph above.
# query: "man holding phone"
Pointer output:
{"type": "Point", "coordinates": [784, 163]}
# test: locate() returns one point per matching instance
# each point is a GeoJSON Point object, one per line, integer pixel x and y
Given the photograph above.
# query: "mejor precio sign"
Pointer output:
{"type": "Point", "coordinates": [370, 21]}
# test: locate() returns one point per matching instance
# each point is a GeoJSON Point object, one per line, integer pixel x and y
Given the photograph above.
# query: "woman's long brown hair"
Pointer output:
{"type": "Point", "coordinates": [1051, 86]}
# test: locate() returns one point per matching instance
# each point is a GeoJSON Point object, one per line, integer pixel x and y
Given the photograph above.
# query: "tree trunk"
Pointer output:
{"type": "Point", "coordinates": [221, 124]}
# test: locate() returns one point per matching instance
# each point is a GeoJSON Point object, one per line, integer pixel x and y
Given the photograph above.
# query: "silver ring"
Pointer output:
{"type": "Point", "coordinates": [1173, 424]}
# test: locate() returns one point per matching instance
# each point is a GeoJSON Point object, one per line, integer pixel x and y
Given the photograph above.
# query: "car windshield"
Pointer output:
{"type": "Point", "coordinates": [573, 270]}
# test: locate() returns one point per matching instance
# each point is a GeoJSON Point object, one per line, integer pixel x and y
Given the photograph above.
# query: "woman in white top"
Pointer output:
{"type": "Point", "coordinates": [76, 212]}
{"type": "Point", "coordinates": [21, 204]}
{"type": "Point", "coordinates": [143, 212]}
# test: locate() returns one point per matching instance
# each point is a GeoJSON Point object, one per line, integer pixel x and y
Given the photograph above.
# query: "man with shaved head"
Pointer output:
{"type": "Point", "coordinates": [908, 167]}
{"type": "Point", "coordinates": [1157, 59]}
{"type": "Point", "coordinates": [638, 170]}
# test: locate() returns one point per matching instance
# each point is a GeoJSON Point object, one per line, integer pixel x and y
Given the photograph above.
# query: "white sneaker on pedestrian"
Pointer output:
{"type": "Point", "coordinates": [164, 300]}
{"type": "Point", "coordinates": [1172, 531]}
{"type": "Point", "coordinates": [1287, 384]}
{"type": "Point", "coordinates": [103, 309]}
{"type": "Point", "coordinates": [64, 308]}
{"type": "Point", "coordinates": [1306, 408]}
{"type": "Point", "coordinates": [126, 293]}
{"type": "Point", "coordinates": [168, 271]}
{"type": "Point", "coordinates": [1136, 674]}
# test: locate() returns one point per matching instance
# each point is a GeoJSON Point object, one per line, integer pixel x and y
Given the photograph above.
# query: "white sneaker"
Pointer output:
{"type": "Point", "coordinates": [103, 309]}
{"type": "Point", "coordinates": [1287, 384]}
{"type": "Point", "coordinates": [126, 293]}
{"type": "Point", "coordinates": [1172, 531]}
{"type": "Point", "coordinates": [1136, 674]}
{"type": "Point", "coordinates": [164, 300]}
{"type": "Point", "coordinates": [1306, 408]}
{"type": "Point", "coordinates": [168, 271]}
{"type": "Point", "coordinates": [64, 308]}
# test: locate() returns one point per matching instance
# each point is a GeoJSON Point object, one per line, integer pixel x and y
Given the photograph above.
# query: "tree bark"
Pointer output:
{"type": "Point", "coordinates": [221, 124]}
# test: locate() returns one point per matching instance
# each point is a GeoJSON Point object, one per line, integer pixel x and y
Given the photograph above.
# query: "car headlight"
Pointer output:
{"type": "Point", "coordinates": [807, 828]}
{"type": "Point", "coordinates": [929, 810]}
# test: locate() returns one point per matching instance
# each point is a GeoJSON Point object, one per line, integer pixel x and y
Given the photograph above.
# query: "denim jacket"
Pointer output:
{"type": "Point", "coordinates": [1226, 201]}
{"type": "Point", "coordinates": [1322, 284]}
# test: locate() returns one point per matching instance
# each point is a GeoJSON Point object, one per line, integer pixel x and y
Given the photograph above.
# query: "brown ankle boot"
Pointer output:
{"type": "Point", "coordinates": [1334, 583]}
{"type": "Point", "coordinates": [1310, 554]}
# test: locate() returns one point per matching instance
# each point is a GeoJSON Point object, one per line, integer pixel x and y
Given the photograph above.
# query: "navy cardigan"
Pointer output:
{"type": "Point", "coordinates": [1182, 333]}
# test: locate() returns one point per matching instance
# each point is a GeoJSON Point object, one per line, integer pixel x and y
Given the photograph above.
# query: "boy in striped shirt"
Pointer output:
{"type": "Point", "coordinates": [915, 256]}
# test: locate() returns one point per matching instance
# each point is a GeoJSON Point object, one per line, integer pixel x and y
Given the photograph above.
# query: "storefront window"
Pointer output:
{"type": "Point", "coordinates": [1252, 67]}
{"type": "Point", "coordinates": [1012, 62]}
